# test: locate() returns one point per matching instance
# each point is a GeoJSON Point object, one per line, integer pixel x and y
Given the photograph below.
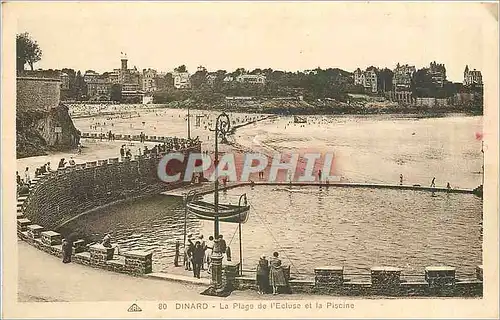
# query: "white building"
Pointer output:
{"type": "Point", "coordinates": [181, 80]}
{"type": "Point", "coordinates": [148, 80]}
{"type": "Point", "coordinates": [368, 79]}
{"type": "Point", "coordinates": [472, 77]}
{"type": "Point", "coordinates": [211, 79]}
{"type": "Point", "coordinates": [90, 76]}
{"type": "Point", "coordinates": [251, 78]}
{"type": "Point", "coordinates": [403, 75]}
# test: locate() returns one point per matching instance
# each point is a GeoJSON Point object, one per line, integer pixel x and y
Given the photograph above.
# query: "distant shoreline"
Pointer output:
{"type": "Point", "coordinates": [410, 111]}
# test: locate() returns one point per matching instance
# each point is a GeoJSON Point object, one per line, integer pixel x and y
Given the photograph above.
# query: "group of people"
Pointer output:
{"type": "Point", "coordinates": [270, 275]}
{"type": "Point", "coordinates": [432, 185]}
{"type": "Point", "coordinates": [125, 152]}
{"type": "Point", "coordinates": [171, 144]}
{"type": "Point", "coordinates": [23, 184]}
{"type": "Point", "coordinates": [197, 253]}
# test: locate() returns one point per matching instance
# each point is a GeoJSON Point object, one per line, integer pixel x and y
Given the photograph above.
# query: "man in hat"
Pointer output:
{"type": "Point", "coordinates": [197, 257]}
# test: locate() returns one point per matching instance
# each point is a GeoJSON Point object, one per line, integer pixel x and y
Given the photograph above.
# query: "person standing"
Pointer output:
{"type": "Point", "coordinates": [401, 179]}
{"type": "Point", "coordinates": [433, 182]}
{"type": "Point", "coordinates": [197, 258]}
{"type": "Point", "coordinates": [188, 253]}
{"type": "Point", "coordinates": [276, 274]}
{"type": "Point", "coordinates": [222, 245]}
{"type": "Point", "coordinates": [262, 275]}
{"type": "Point", "coordinates": [67, 250]}
{"type": "Point", "coordinates": [208, 252]}
{"type": "Point", "coordinates": [27, 179]}
{"type": "Point", "coordinates": [203, 245]}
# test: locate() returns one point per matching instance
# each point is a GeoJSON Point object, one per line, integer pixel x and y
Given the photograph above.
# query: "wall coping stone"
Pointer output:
{"type": "Point", "coordinates": [34, 227]}
{"type": "Point", "coordinates": [137, 253]}
{"type": "Point", "coordinates": [329, 268]}
{"type": "Point", "coordinates": [386, 269]}
{"type": "Point", "coordinates": [51, 233]}
{"type": "Point", "coordinates": [439, 268]}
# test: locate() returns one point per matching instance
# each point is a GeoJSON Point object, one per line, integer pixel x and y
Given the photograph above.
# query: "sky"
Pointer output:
{"type": "Point", "coordinates": [284, 36]}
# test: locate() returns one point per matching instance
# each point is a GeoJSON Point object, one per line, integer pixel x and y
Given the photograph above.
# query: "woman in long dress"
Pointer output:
{"type": "Point", "coordinates": [276, 274]}
{"type": "Point", "coordinates": [67, 250]}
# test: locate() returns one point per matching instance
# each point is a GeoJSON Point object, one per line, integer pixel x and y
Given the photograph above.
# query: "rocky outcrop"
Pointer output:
{"type": "Point", "coordinates": [39, 131]}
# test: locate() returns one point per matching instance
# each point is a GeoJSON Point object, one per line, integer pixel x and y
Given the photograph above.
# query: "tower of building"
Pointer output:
{"type": "Point", "coordinates": [124, 61]}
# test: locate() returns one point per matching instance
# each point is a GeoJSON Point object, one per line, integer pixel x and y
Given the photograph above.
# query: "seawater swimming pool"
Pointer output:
{"type": "Point", "coordinates": [355, 227]}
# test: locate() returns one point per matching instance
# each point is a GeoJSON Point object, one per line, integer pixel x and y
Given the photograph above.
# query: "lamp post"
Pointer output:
{"type": "Point", "coordinates": [187, 196]}
{"type": "Point", "coordinates": [189, 124]}
{"type": "Point", "coordinates": [222, 127]}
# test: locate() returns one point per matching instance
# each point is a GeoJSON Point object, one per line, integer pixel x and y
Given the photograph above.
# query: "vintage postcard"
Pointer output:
{"type": "Point", "coordinates": [250, 159]}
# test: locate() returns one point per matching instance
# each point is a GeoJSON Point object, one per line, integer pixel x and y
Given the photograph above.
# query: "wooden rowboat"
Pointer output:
{"type": "Point", "coordinates": [227, 212]}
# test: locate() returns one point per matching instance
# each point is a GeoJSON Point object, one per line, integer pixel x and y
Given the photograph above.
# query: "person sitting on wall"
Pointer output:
{"type": "Point", "coordinates": [23, 189]}
{"type": "Point", "coordinates": [71, 161]}
{"type": "Point", "coordinates": [61, 164]}
{"type": "Point", "coordinates": [106, 241]}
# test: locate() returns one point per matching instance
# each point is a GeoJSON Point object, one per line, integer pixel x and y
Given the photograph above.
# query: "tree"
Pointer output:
{"type": "Point", "coordinates": [422, 84]}
{"type": "Point", "coordinates": [199, 78]}
{"type": "Point", "coordinates": [27, 51]}
{"type": "Point", "coordinates": [181, 68]}
{"type": "Point", "coordinates": [169, 80]}
{"type": "Point", "coordinates": [384, 80]}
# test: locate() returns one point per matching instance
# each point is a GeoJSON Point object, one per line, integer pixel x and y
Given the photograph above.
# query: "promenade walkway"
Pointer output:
{"type": "Point", "coordinates": [44, 278]}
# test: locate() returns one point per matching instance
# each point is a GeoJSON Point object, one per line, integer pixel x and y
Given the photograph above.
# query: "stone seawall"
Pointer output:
{"type": "Point", "coordinates": [36, 93]}
{"type": "Point", "coordinates": [62, 195]}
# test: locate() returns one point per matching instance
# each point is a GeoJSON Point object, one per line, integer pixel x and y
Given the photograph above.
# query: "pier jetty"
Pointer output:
{"type": "Point", "coordinates": [208, 187]}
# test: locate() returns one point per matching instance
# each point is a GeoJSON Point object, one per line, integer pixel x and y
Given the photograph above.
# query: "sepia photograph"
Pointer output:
{"type": "Point", "coordinates": [250, 159]}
